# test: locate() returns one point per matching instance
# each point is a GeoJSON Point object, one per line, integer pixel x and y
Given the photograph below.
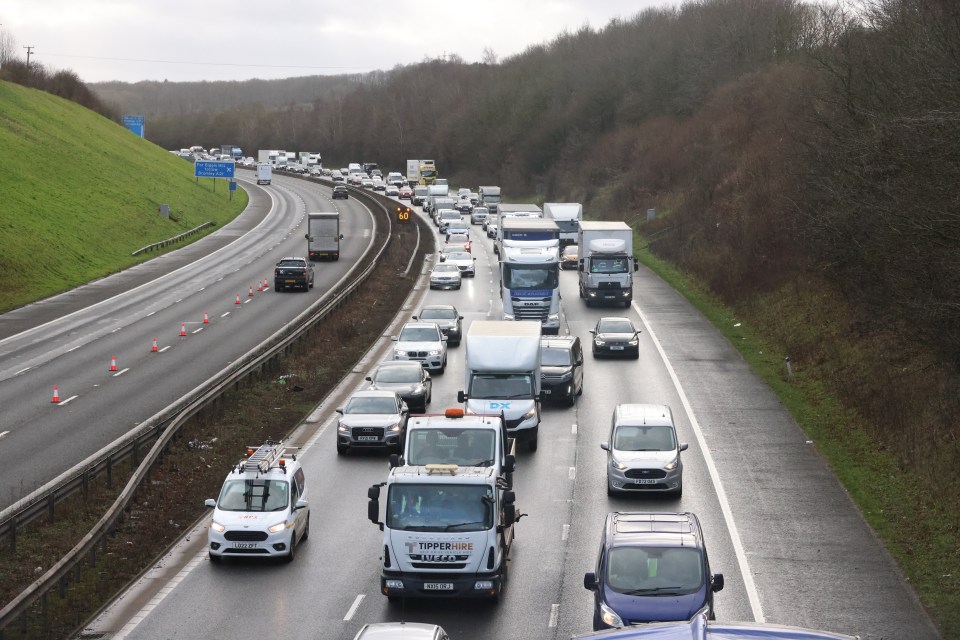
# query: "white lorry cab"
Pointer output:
{"type": "Point", "coordinates": [447, 531]}
{"type": "Point", "coordinates": [262, 510]}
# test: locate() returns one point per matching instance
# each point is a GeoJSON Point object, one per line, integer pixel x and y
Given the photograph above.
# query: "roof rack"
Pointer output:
{"type": "Point", "coordinates": [264, 457]}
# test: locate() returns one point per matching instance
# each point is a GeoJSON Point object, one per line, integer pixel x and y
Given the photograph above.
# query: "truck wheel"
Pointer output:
{"type": "Point", "coordinates": [532, 445]}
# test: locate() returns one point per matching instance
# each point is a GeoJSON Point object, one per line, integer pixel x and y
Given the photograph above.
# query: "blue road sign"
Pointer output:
{"type": "Point", "coordinates": [202, 169]}
{"type": "Point", "coordinates": [134, 123]}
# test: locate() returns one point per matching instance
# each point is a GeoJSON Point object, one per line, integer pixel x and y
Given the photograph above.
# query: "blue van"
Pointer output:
{"type": "Point", "coordinates": [652, 567]}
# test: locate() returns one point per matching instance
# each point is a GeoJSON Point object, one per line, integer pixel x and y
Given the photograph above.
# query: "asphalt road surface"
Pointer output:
{"type": "Point", "coordinates": [791, 545]}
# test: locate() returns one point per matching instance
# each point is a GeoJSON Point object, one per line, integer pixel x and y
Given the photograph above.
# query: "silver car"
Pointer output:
{"type": "Point", "coordinates": [423, 342]}
{"type": "Point", "coordinates": [464, 261]}
{"type": "Point", "coordinates": [643, 453]}
{"type": "Point", "coordinates": [401, 631]}
{"type": "Point", "coordinates": [445, 276]}
{"type": "Point", "coordinates": [372, 419]}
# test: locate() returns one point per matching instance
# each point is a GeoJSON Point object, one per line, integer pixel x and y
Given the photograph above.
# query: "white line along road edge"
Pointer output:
{"type": "Point", "coordinates": [748, 584]}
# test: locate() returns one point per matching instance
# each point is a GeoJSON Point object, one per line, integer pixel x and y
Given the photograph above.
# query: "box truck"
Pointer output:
{"type": "Point", "coordinates": [606, 262]}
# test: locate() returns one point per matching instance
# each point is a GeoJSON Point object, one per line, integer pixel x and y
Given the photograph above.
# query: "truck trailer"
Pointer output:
{"type": "Point", "coordinates": [323, 236]}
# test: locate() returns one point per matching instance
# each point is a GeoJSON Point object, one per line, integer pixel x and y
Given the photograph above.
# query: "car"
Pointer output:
{"type": "Point", "coordinates": [447, 318]}
{"type": "Point", "coordinates": [561, 372]}
{"type": "Point", "coordinates": [396, 179]}
{"type": "Point", "coordinates": [423, 342]}
{"type": "Point", "coordinates": [379, 185]}
{"type": "Point", "coordinates": [420, 194]}
{"type": "Point", "coordinates": [457, 225]}
{"type": "Point", "coordinates": [408, 379]}
{"type": "Point", "coordinates": [293, 271]}
{"type": "Point", "coordinates": [463, 191]}
{"type": "Point", "coordinates": [262, 510]}
{"type": "Point", "coordinates": [341, 192]}
{"type": "Point", "coordinates": [478, 215]}
{"type": "Point", "coordinates": [366, 183]}
{"type": "Point", "coordinates": [456, 243]}
{"type": "Point", "coordinates": [406, 193]}
{"type": "Point", "coordinates": [464, 261]}
{"type": "Point", "coordinates": [474, 198]}
{"type": "Point", "coordinates": [464, 206]}
{"type": "Point", "coordinates": [401, 631]}
{"type": "Point", "coordinates": [391, 191]}
{"type": "Point", "coordinates": [372, 419]}
{"type": "Point", "coordinates": [335, 176]}
{"type": "Point", "coordinates": [569, 257]}
{"type": "Point", "coordinates": [652, 567]}
{"type": "Point", "coordinates": [445, 276]}
{"type": "Point", "coordinates": [643, 453]}
{"type": "Point", "coordinates": [701, 628]}
{"type": "Point", "coordinates": [616, 336]}
{"type": "Point", "coordinates": [446, 216]}
{"type": "Point", "coordinates": [491, 227]}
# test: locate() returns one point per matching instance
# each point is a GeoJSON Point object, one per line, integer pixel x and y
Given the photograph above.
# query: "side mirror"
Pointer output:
{"type": "Point", "coordinates": [373, 513]}
{"type": "Point", "coordinates": [341, 236]}
{"type": "Point", "coordinates": [716, 583]}
{"type": "Point", "coordinates": [683, 446]}
{"type": "Point", "coordinates": [509, 497]}
{"type": "Point", "coordinates": [339, 410]}
{"type": "Point", "coordinates": [590, 581]}
{"type": "Point", "coordinates": [636, 266]}
{"type": "Point", "coordinates": [394, 338]}
{"type": "Point", "coordinates": [369, 378]}
{"type": "Point", "coordinates": [593, 331]}
{"type": "Point", "coordinates": [373, 493]}
{"type": "Point", "coordinates": [605, 446]}
{"type": "Point", "coordinates": [301, 504]}
{"type": "Point", "coordinates": [307, 236]}
{"type": "Point", "coordinates": [395, 460]}
{"type": "Point", "coordinates": [461, 397]}
{"type": "Point", "coordinates": [210, 502]}
{"type": "Point", "coordinates": [509, 463]}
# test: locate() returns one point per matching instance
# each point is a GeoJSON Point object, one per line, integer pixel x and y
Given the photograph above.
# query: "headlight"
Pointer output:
{"type": "Point", "coordinates": [434, 352]}
{"type": "Point", "coordinates": [616, 464]}
{"type": "Point", "coordinates": [394, 427]}
{"type": "Point", "coordinates": [508, 316]}
{"type": "Point", "coordinates": [553, 317]}
{"type": "Point", "coordinates": [277, 528]}
{"type": "Point", "coordinates": [418, 390]}
{"type": "Point", "coordinates": [342, 428]}
{"type": "Point", "coordinates": [216, 526]}
{"type": "Point", "coordinates": [634, 342]}
{"type": "Point", "coordinates": [672, 464]}
{"type": "Point", "coordinates": [598, 341]}
{"type": "Point", "coordinates": [530, 414]}
{"type": "Point", "coordinates": [401, 352]}
{"type": "Point", "coordinates": [609, 616]}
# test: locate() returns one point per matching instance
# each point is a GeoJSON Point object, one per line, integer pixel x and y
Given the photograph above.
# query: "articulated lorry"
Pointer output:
{"type": "Point", "coordinates": [323, 236]}
{"type": "Point", "coordinates": [489, 197]}
{"type": "Point", "coordinates": [502, 375]}
{"type": "Point", "coordinates": [606, 262]}
{"type": "Point", "coordinates": [413, 172]}
{"type": "Point", "coordinates": [530, 286]}
{"type": "Point", "coordinates": [568, 216]}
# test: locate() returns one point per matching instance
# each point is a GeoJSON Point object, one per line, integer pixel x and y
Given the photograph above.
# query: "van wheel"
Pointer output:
{"type": "Point", "coordinates": [306, 529]}
{"type": "Point", "coordinates": [293, 548]}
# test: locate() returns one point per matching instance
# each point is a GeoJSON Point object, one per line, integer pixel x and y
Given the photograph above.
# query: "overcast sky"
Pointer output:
{"type": "Point", "coordinates": [182, 40]}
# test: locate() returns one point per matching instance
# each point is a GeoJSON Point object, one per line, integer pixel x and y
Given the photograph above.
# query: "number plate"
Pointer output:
{"type": "Point", "coordinates": [438, 586]}
{"type": "Point", "coordinates": [245, 545]}
{"type": "Point", "coordinates": [645, 481]}
{"type": "Point", "coordinates": [290, 281]}
{"type": "Point", "coordinates": [616, 348]}
{"type": "Point", "coordinates": [547, 391]}
{"type": "Point", "coordinates": [367, 438]}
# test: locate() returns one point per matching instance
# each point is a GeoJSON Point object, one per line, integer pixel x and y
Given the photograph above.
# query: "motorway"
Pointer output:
{"type": "Point", "coordinates": [68, 342]}
{"type": "Point", "coordinates": [791, 545]}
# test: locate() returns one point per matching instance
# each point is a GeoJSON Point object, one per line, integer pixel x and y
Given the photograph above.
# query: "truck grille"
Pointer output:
{"type": "Point", "coordinates": [645, 473]}
{"type": "Point", "coordinates": [609, 285]}
{"type": "Point", "coordinates": [245, 536]}
{"type": "Point", "coordinates": [440, 565]}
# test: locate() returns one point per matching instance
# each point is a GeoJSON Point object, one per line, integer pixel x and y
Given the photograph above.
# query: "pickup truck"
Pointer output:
{"type": "Point", "coordinates": [293, 272]}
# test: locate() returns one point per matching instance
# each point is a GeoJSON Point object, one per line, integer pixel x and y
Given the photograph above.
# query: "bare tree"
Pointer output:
{"type": "Point", "coordinates": [8, 45]}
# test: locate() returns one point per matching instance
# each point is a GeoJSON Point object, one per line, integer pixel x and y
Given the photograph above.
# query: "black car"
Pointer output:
{"type": "Point", "coordinates": [341, 191]}
{"type": "Point", "coordinates": [616, 336]}
{"type": "Point", "coordinates": [408, 379]}
{"type": "Point", "coordinates": [561, 372]}
{"type": "Point", "coordinates": [447, 318]}
{"type": "Point", "coordinates": [293, 272]}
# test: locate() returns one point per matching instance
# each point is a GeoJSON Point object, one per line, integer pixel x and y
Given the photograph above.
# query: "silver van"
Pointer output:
{"type": "Point", "coordinates": [643, 453]}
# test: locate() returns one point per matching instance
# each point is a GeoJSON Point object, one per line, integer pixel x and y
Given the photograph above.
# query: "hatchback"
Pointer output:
{"type": "Point", "coordinates": [616, 336]}
{"type": "Point", "coordinates": [408, 380]}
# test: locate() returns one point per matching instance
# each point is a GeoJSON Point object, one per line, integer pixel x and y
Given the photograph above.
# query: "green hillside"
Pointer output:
{"type": "Point", "coordinates": [79, 193]}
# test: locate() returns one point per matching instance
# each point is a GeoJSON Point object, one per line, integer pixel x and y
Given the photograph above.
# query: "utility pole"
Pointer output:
{"type": "Point", "coordinates": [29, 51]}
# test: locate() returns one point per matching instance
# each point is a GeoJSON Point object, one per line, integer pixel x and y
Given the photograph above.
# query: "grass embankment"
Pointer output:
{"type": "Point", "coordinates": [916, 519]}
{"type": "Point", "coordinates": [79, 193]}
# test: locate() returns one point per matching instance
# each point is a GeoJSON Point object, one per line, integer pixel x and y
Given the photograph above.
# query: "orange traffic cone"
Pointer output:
{"type": "Point", "coordinates": [154, 348]}
{"type": "Point", "coordinates": [238, 299]}
{"type": "Point", "coordinates": [183, 329]}
{"type": "Point", "coordinates": [266, 285]}
{"type": "Point", "coordinates": [56, 395]}
{"type": "Point", "coordinates": [250, 295]}
{"type": "Point", "coordinates": [206, 318]}
{"type": "Point", "coordinates": [113, 363]}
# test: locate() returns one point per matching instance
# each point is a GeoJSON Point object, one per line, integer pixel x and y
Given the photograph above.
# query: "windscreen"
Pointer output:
{"type": "Point", "coordinates": [609, 265]}
{"type": "Point", "coordinates": [516, 276]}
{"type": "Point", "coordinates": [464, 447]}
{"type": "Point", "coordinates": [370, 405]}
{"type": "Point", "coordinates": [654, 571]}
{"type": "Point", "coordinates": [440, 314]}
{"type": "Point", "coordinates": [421, 334]}
{"type": "Point", "coordinates": [555, 357]}
{"type": "Point", "coordinates": [615, 325]}
{"type": "Point", "coordinates": [644, 438]}
{"type": "Point", "coordinates": [503, 386]}
{"type": "Point", "coordinates": [399, 374]}
{"type": "Point", "coordinates": [254, 495]}
{"type": "Point", "coordinates": [440, 507]}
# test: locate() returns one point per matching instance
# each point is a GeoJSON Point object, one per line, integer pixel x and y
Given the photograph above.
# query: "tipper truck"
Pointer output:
{"type": "Point", "coordinates": [606, 262]}
{"type": "Point", "coordinates": [502, 375]}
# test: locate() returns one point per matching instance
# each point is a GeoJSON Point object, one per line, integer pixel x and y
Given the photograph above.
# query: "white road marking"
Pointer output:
{"type": "Point", "coordinates": [554, 615]}
{"type": "Point", "coordinates": [164, 349]}
{"type": "Point", "coordinates": [197, 330]}
{"type": "Point", "coordinates": [353, 608]}
{"type": "Point", "coordinates": [3, 433]}
{"type": "Point", "coordinates": [157, 599]}
{"type": "Point", "coordinates": [566, 532]}
{"type": "Point", "coordinates": [22, 371]}
{"type": "Point", "coordinates": [573, 428]}
{"type": "Point", "coordinates": [573, 473]}
{"type": "Point", "coordinates": [74, 349]}
{"type": "Point", "coordinates": [752, 594]}
{"type": "Point", "coordinates": [151, 313]}
{"type": "Point", "coordinates": [63, 402]}
{"type": "Point", "coordinates": [121, 372]}
{"type": "Point", "coordinates": [224, 315]}
{"type": "Point", "coordinates": [178, 301]}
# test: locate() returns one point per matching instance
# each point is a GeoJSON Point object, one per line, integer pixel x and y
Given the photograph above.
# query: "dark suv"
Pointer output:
{"type": "Point", "coordinates": [651, 567]}
{"type": "Point", "coordinates": [340, 191]}
{"type": "Point", "coordinates": [561, 373]}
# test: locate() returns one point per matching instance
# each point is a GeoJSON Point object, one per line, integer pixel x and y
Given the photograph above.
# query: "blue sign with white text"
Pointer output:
{"type": "Point", "coordinates": [207, 169]}
{"type": "Point", "coordinates": [134, 123]}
